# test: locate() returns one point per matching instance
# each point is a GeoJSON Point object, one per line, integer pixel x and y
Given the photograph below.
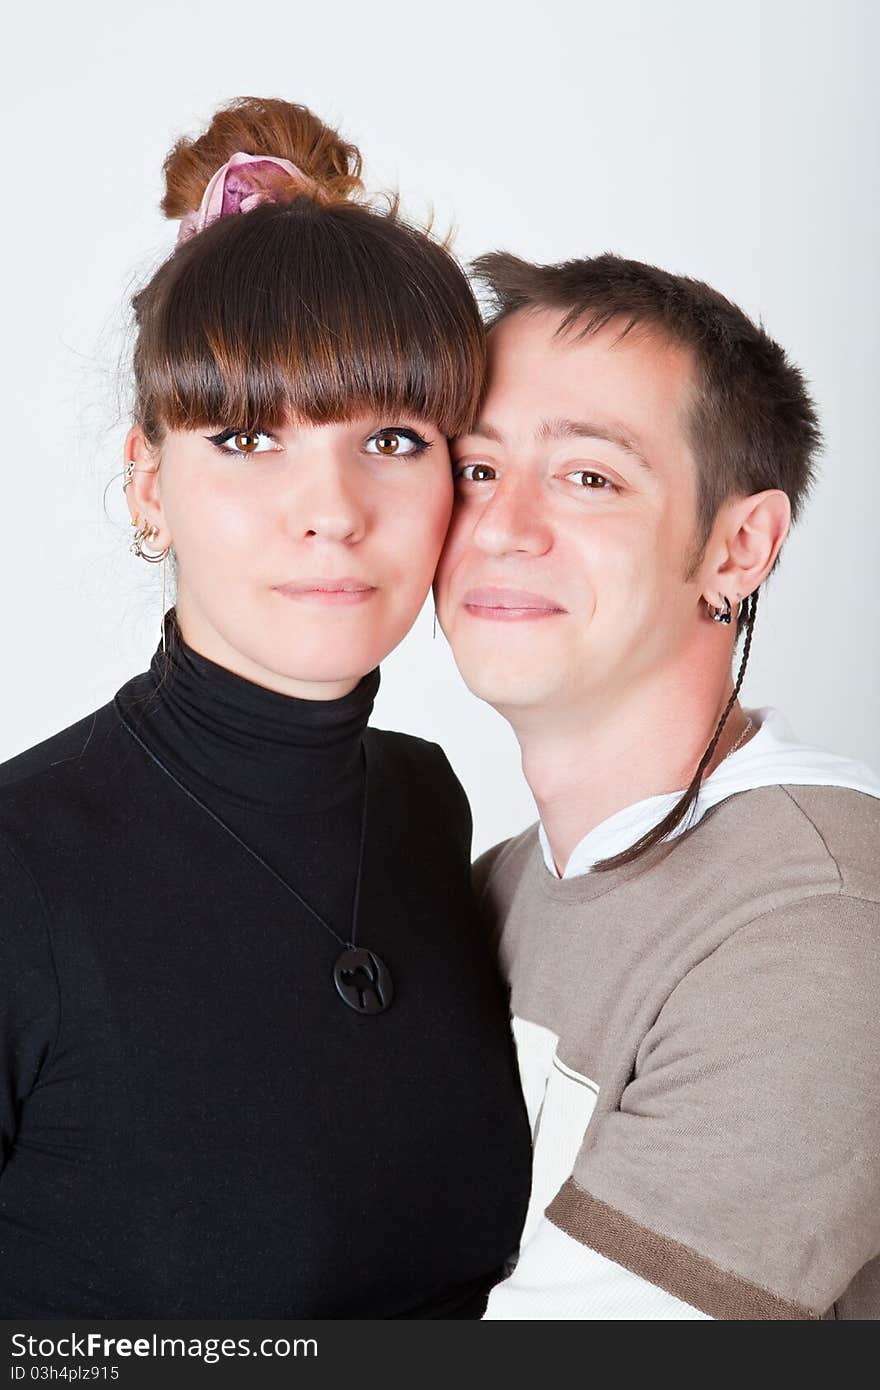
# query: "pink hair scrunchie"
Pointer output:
{"type": "Point", "coordinates": [230, 191]}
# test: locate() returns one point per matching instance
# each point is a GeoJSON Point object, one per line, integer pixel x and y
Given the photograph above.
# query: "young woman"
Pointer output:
{"type": "Point", "coordinates": [255, 1057]}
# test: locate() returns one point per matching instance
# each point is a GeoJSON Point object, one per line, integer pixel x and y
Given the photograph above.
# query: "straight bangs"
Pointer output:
{"type": "Point", "coordinates": [300, 312]}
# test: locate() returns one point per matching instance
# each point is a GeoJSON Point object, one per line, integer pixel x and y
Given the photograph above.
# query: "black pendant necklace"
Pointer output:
{"type": "Point", "coordinates": [362, 979]}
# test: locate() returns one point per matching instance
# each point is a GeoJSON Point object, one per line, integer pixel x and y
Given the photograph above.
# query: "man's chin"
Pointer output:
{"type": "Point", "coordinates": [505, 687]}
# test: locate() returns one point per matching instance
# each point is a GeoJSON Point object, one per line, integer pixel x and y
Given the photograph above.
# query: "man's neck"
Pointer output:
{"type": "Point", "coordinates": [585, 764]}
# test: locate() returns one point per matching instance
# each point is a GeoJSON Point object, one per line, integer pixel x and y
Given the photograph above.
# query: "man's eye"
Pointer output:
{"type": "Point", "coordinates": [396, 443]}
{"type": "Point", "coordinates": [477, 473]}
{"type": "Point", "coordinates": [596, 481]}
{"type": "Point", "coordinates": [243, 442]}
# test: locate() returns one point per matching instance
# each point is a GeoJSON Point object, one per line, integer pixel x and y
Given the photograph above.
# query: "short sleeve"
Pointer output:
{"type": "Point", "coordinates": [29, 1005]}
{"type": "Point", "coordinates": [740, 1171]}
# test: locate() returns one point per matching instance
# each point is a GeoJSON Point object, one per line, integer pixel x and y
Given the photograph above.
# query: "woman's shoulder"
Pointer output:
{"type": "Point", "coordinates": [59, 798]}
{"type": "Point", "coordinates": [66, 756]}
{"type": "Point", "coordinates": [421, 770]}
{"type": "Point", "coordinates": [408, 750]}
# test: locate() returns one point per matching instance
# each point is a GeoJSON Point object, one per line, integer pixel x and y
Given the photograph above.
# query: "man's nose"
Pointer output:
{"type": "Point", "coordinates": [512, 520]}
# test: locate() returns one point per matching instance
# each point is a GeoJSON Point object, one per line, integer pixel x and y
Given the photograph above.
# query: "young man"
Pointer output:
{"type": "Point", "coordinates": [692, 931]}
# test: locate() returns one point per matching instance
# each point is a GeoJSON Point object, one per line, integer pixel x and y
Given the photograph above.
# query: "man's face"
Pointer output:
{"type": "Point", "coordinates": [563, 574]}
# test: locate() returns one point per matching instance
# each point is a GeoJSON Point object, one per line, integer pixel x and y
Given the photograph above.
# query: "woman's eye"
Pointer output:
{"type": "Point", "coordinates": [596, 481]}
{"type": "Point", "coordinates": [243, 442]}
{"type": "Point", "coordinates": [476, 473]}
{"type": "Point", "coordinates": [396, 443]}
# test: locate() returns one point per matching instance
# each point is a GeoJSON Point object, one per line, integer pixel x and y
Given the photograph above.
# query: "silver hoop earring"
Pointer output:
{"type": "Point", "coordinates": [720, 615]}
{"type": "Point", "coordinates": [146, 533]}
{"type": "Point", "coordinates": [435, 622]}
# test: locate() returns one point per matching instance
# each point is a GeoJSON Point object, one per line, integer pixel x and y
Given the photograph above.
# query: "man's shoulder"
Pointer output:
{"type": "Point", "coordinates": [829, 836]}
{"type": "Point", "coordinates": [848, 823]}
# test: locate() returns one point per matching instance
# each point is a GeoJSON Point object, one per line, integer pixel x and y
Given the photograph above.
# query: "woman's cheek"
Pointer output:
{"type": "Point", "coordinates": [441, 514]}
{"type": "Point", "coordinates": [420, 527]}
{"type": "Point", "coordinates": [237, 528]}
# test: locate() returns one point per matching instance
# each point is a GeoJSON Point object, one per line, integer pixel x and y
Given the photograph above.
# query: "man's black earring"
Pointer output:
{"type": "Point", "coordinates": [720, 615]}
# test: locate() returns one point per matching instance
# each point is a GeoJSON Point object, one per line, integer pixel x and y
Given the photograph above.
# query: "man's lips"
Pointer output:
{"type": "Point", "coordinates": [504, 604]}
{"type": "Point", "coordinates": [320, 590]}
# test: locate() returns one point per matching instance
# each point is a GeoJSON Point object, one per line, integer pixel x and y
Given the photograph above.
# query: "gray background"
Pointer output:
{"type": "Point", "coordinates": [738, 144]}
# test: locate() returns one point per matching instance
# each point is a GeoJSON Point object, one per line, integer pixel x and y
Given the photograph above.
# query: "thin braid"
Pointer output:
{"type": "Point", "coordinates": [688, 799]}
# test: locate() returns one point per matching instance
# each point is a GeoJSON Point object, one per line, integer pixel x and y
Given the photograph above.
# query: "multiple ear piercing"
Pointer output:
{"type": "Point", "coordinates": [146, 531]}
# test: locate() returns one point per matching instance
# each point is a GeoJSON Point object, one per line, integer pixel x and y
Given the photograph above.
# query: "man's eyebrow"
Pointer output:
{"type": "Point", "coordinates": [570, 429]}
{"type": "Point", "coordinates": [588, 429]}
{"type": "Point", "coordinates": [484, 431]}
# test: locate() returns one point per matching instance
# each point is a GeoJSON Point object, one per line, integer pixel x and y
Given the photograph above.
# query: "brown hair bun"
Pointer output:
{"type": "Point", "coordinates": [261, 125]}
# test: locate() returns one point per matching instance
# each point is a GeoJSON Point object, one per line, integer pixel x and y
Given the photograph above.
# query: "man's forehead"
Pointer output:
{"type": "Point", "coordinates": [539, 334]}
{"type": "Point", "coordinates": [626, 389]}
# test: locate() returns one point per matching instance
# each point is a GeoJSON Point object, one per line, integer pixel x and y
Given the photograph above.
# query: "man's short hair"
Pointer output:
{"type": "Point", "coordinates": [752, 424]}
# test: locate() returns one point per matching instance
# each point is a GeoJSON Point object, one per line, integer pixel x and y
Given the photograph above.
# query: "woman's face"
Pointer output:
{"type": "Point", "coordinates": [303, 556]}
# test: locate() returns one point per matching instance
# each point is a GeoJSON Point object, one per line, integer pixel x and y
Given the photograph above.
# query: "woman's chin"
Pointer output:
{"type": "Point", "coordinates": [333, 667]}
{"type": "Point", "coordinates": [303, 646]}
{"type": "Point", "coordinates": [327, 658]}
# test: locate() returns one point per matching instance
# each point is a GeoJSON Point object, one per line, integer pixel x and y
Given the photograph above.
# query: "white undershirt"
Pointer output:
{"type": "Point", "coordinates": [772, 757]}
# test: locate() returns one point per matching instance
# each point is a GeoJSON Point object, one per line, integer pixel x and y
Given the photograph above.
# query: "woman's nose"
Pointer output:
{"type": "Point", "coordinates": [327, 504]}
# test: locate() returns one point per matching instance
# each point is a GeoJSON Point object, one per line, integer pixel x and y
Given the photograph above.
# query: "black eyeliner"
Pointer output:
{"type": "Point", "coordinates": [421, 444]}
{"type": "Point", "coordinates": [222, 437]}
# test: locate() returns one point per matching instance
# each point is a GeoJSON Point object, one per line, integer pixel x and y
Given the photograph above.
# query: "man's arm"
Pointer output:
{"type": "Point", "coordinates": [739, 1177]}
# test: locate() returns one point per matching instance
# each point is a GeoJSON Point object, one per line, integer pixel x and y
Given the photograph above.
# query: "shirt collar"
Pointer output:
{"type": "Point", "coordinates": [771, 757]}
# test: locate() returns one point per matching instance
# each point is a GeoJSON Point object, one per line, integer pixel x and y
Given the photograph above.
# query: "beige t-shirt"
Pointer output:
{"type": "Point", "coordinates": [698, 1046]}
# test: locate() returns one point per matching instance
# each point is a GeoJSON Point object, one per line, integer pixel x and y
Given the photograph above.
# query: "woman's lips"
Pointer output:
{"type": "Point", "coordinates": [509, 605]}
{"type": "Point", "coordinates": [327, 591]}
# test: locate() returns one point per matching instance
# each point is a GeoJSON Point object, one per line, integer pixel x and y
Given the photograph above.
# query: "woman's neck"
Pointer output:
{"type": "Point", "coordinates": [231, 738]}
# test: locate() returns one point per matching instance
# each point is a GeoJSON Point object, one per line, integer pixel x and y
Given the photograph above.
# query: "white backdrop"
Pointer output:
{"type": "Point", "coordinates": [736, 143]}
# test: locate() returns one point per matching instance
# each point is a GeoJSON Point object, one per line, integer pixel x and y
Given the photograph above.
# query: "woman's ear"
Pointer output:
{"type": "Point", "coordinates": [144, 490]}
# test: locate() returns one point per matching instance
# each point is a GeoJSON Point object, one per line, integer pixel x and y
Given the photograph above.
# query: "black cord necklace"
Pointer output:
{"type": "Point", "coordinates": [363, 981]}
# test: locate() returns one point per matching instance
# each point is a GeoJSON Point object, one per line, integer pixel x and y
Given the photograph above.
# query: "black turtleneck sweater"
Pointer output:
{"type": "Point", "coordinates": [192, 1122]}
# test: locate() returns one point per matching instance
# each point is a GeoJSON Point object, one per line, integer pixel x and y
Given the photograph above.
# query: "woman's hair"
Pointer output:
{"type": "Point", "coordinates": [317, 305]}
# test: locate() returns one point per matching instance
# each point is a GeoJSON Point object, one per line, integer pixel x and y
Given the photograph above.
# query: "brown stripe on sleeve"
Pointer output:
{"type": "Point", "coordinates": [666, 1263]}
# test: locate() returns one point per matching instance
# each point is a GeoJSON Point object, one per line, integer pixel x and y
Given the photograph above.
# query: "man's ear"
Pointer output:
{"type": "Point", "coordinates": [746, 538]}
{"type": "Point", "coordinates": [144, 491]}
